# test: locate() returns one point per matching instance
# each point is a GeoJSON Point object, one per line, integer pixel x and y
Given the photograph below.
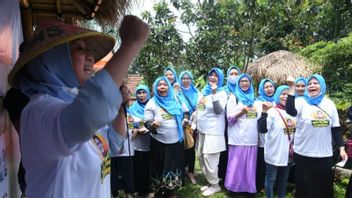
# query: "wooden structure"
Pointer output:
{"type": "Point", "coordinates": [280, 64]}
{"type": "Point", "coordinates": [105, 12]}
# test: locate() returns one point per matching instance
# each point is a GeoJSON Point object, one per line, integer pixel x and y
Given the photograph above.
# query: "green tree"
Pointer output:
{"type": "Point", "coordinates": [164, 46]}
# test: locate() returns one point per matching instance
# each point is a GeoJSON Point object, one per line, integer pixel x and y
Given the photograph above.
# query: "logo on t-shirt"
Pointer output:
{"type": "Point", "coordinates": [320, 119]}
{"type": "Point", "coordinates": [165, 115]}
{"type": "Point", "coordinates": [291, 126]}
{"type": "Point", "coordinates": [201, 104]}
{"type": "Point", "coordinates": [130, 122]}
{"type": "Point", "coordinates": [252, 113]}
{"type": "Point", "coordinates": [103, 150]}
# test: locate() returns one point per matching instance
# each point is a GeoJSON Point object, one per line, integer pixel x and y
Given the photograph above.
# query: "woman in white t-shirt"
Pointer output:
{"type": "Point", "coordinates": [164, 116]}
{"type": "Point", "coordinates": [140, 140]}
{"type": "Point", "coordinates": [266, 91]}
{"type": "Point", "coordinates": [279, 128]}
{"type": "Point", "coordinates": [317, 124]}
{"type": "Point", "coordinates": [191, 97]}
{"type": "Point", "coordinates": [211, 127]}
{"type": "Point", "coordinates": [243, 113]}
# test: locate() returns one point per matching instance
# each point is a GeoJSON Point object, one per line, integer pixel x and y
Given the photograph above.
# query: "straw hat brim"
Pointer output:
{"type": "Point", "coordinates": [100, 44]}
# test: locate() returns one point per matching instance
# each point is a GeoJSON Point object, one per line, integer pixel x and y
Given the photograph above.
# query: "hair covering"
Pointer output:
{"type": "Point", "coordinates": [207, 88]}
{"type": "Point", "coordinates": [246, 97]}
{"type": "Point", "coordinates": [230, 88]}
{"type": "Point", "coordinates": [300, 79]}
{"type": "Point", "coordinates": [137, 109]}
{"type": "Point", "coordinates": [316, 100]}
{"type": "Point", "coordinates": [262, 95]}
{"type": "Point", "coordinates": [278, 92]}
{"type": "Point", "coordinates": [169, 104]}
{"type": "Point", "coordinates": [50, 73]}
{"type": "Point", "coordinates": [173, 72]}
{"type": "Point", "coordinates": [190, 94]}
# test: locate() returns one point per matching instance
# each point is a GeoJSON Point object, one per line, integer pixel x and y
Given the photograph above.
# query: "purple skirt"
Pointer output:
{"type": "Point", "coordinates": [241, 169]}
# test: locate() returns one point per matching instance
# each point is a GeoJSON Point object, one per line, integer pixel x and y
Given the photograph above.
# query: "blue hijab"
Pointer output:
{"type": "Point", "coordinates": [262, 95]}
{"type": "Point", "coordinates": [51, 73]}
{"type": "Point", "coordinates": [230, 88]}
{"type": "Point", "coordinates": [137, 109]}
{"type": "Point", "coordinates": [246, 97]}
{"type": "Point", "coordinates": [174, 73]}
{"type": "Point", "coordinates": [207, 88]}
{"type": "Point", "coordinates": [316, 100]}
{"type": "Point", "coordinates": [190, 94]}
{"type": "Point", "coordinates": [278, 92]}
{"type": "Point", "coordinates": [169, 104]}
{"type": "Point", "coordinates": [300, 79]}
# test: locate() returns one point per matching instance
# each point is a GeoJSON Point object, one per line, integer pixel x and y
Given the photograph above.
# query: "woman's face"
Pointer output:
{"type": "Point", "coordinates": [82, 60]}
{"type": "Point", "coordinates": [186, 81]}
{"type": "Point", "coordinates": [269, 88]}
{"type": "Point", "coordinates": [300, 87]}
{"type": "Point", "coordinates": [213, 78]}
{"type": "Point", "coordinates": [170, 76]}
{"type": "Point", "coordinates": [142, 96]}
{"type": "Point", "coordinates": [283, 97]}
{"type": "Point", "coordinates": [234, 72]}
{"type": "Point", "coordinates": [162, 88]}
{"type": "Point", "coordinates": [313, 87]}
{"type": "Point", "coordinates": [245, 84]}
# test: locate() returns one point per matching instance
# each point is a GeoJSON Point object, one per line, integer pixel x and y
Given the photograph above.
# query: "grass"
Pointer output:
{"type": "Point", "coordinates": [193, 191]}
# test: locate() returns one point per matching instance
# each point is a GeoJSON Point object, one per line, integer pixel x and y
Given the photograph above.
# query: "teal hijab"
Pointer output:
{"type": "Point", "coordinates": [169, 104]}
{"type": "Point", "coordinates": [207, 88]}
{"type": "Point", "coordinates": [137, 109]}
{"type": "Point", "coordinates": [246, 97]}
{"type": "Point", "coordinates": [316, 100]}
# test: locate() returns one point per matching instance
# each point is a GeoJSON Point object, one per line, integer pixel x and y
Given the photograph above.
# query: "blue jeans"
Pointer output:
{"type": "Point", "coordinates": [273, 172]}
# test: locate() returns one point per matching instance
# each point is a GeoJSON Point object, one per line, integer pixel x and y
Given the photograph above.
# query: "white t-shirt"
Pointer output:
{"type": "Point", "coordinates": [276, 147]}
{"type": "Point", "coordinates": [54, 169]}
{"type": "Point", "coordinates": [127, 148]}
{"type": "Point", "coordinates": [142, 141]}
{"type": "Point", "coordinates": [262, 135]}
{"type": "Point", "coordinates": [167, 132]}
{"type": "Point", "coordinates": [313, 136]}
{"type": "Point", "coordinates": [244, 132]}
{"type": "Point", "coordinates": [208, 122]}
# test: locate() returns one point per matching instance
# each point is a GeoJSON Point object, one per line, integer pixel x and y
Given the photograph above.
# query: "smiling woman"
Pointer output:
{"type": "Point", "coordinates": [317, 126]}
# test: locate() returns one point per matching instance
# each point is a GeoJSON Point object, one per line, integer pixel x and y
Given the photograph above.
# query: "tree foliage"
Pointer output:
{"type": "Point", "coordinates": [164, 46]}
{"type": "Point", "coordinates": [239, 31]}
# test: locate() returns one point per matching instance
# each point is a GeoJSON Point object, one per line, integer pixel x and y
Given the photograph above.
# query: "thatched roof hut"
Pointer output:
{"type": "Point", "coordinates": [105, 12]}
{"type": "Point", "coordinates": [280, 64]}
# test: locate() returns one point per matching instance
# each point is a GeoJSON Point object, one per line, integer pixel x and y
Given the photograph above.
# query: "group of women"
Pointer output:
{"type": "Point", "coordinates": [263, 136]}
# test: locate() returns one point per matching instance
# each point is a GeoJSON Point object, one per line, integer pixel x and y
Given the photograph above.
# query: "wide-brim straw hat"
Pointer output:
{"type": "Point", "coordinates": [51, 33]}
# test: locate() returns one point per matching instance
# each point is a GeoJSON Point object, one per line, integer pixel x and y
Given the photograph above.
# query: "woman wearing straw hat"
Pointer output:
{"type": "Point", "coordinates": [313, 138]}
{"type": "Point", "coordinates": [62, 151]}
